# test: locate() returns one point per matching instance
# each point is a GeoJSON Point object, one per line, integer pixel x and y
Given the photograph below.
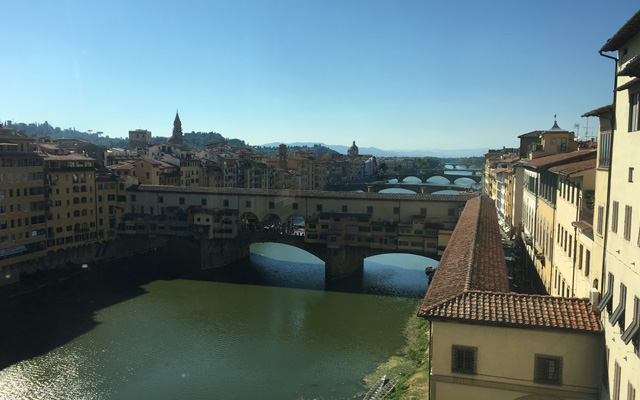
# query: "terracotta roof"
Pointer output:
{"type": "Point", "coordinates": [498, 170]}
{"type": "Point", "coordinates": [516, 310]}
{"type": "Point", "coordinates": [579, 166]}
{"type": "Point", "coordinates": [624, 34]}
{"type": "Point", "coordinates": [473, 259]}
{"type": "Point", "coordinates": [533, 134]}
{"type": "Point", "coordinates": [598, 111]}
{"type": "Point", "coordinates": [510, 160]}
{"type": "Point", "coordinates": [556, 159]}
{"type": "Point", "coordinates": [305, 193]}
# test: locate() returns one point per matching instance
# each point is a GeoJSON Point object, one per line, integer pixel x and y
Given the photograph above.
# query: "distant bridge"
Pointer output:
{"type": "Point", "coordinates": [377, 187]}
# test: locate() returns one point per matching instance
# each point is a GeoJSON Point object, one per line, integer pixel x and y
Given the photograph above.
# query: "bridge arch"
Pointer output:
{"type": "Point", "coordinates": [411, 179]}
{"type": "Point", "coordinates": [464, 181]}
{"type": "Point", "coordinates": [438, 179]}
{"type": "Point", "coordinates": [249, 222]}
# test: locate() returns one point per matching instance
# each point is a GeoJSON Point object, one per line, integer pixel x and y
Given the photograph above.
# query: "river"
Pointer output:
{"type": "Point", "coordinates": [271, 329]}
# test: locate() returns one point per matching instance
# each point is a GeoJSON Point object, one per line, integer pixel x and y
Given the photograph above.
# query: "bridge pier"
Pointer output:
{"type": "Point", "coordinates": [343, 262]}
{"type": "Point", "coordinates": [218, 253]}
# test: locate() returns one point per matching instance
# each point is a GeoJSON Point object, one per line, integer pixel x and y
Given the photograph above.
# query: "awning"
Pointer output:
{"type": "Point", "coordinates": [608, 294]}
{"type": "Point", "coordinates": [633, 329]}
{"type": "Point", "coordinates": [619, 312]}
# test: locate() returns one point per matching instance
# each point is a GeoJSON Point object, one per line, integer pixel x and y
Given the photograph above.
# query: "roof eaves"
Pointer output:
{"type": "Point", "coordinates": [628, 30]}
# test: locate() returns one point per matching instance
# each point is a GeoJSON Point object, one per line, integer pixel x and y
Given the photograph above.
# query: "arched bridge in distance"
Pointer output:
{"type": "Point", "coordinates": [340, 228]}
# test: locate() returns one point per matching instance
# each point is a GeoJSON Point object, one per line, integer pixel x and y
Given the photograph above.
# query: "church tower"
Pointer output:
{"type": "Point", "coordinates": [176, 137]}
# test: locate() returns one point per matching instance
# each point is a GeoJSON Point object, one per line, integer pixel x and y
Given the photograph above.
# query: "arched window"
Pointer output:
{"type": "Point", "coordinates": [83, 200]}
{"type": "Point", "coordinates": [85, 226]}
{"type": "Point", "coordinates": [83, 188]}
{"type": "Point", "coordinates": [76, 227]}
{"type": "Point", "coordinates": [76, 189]}
{"type": "Point", "coordinates": [84, 212]}
{"type": "Point", "coordinates": [76, 200]}
{"type": "Point", "coordinates": [76, 213]}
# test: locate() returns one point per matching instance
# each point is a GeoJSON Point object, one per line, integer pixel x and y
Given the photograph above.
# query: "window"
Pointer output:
{"type": "Point", "coordinates": [181, 200]}
{"type": "Point", "coordinates": [615, 393]}
{"type": "Point", "coordinates": [423, 212]}
{"type": "Point", "coordinates": [627, 222]}
{"type": "Point", "coordinates": [369, 209]}
{"type": "Point", "coordinates": [396, 210]}
{"type": "Point", "coordinates": [248, 203]}
{"type": "Point", "coordinates": [133, 197]}
{"type": "Point", "coordinates": [614, 217]}
{"type": "Point", "coordinates": [203, 202]}
{"type": "Point", "coordinates": [318, 207]}
{"type": "Point", "coordinates": [600, 221]}
{"type": "Point", "coordinates": [344, 208]}
{"type": "Point", "coordinates": [631, 174]}
{"type": "Point", "coordinates": [452, 212]}
{"type": "Point", "coordinates": [634, 112]}
{"type": "Point", "coordinates": [618, 314]}
{"type": "Point", "coordinates": [631, 391]}
{"type": "Point", "coordinates": [225, 203]}
{"type": "Point", "coordinates": [587, 262]}
{"type": "Point", "coordinates": [272, 205]}
{"type": "Point", "coordinates": [464, 359]}
{"type": "Point", "coordinates": [548, 369]}
{"type": "Point", "coordinates": [295, 206]}
{"type": "Point", "coordinates": [160, 199]}
{"type": "Point", "coordinates": [605, 150]}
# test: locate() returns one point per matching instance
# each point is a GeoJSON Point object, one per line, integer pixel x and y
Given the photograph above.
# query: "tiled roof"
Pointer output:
{"type": "Point", "coordinates": [306, 193]}
{"type": "Point", "coordinates": [555, 159]}
{"type": "Point", "coordinates": [628, 30]}
{"type": "Point", "coordinates": [473, 259]}
{"type": "Point", "coordinates": [498, 170]}
{"type": "Point", "coordinates": [510, 160]}
{"type": "Point", "coordinates": [533, 134]}
{"type": "Point", "coordinates": [517, 310]}
{"type": "Point", "coordinates": [579, 166]}
{"type": "Point", "coordinates": [598, 111]}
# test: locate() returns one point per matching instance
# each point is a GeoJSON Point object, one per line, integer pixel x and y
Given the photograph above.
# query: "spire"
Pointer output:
{"type": "Point", "coordinates": [176, 136]}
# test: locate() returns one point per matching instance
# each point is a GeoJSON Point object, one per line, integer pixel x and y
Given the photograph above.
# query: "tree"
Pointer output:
{"type": "Point", "coordinates": [384, 167]}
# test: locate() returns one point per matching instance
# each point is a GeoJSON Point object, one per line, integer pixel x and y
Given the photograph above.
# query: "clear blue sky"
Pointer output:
{"type": "Point", "coordinates": [387, 74]}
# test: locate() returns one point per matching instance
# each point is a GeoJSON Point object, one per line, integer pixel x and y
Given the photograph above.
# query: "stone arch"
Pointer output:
{"type": "Point", "coordinates": [404, 180]}
{"type": "Point", "coordinates": [295, 224]}
{"type": "Point", "coordinates": [249, 222]}
{"type": "Point", "coordinates": [464, 181]}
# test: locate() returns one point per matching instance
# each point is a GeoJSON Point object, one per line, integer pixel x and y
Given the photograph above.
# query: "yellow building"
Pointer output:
{"type": "Point", "coordinates": [487, 343]}
{"type": "Point", "coordinates": [22, 203]}
{"type": "Point", "coordinates": [571, 270]}
{"type": "Point", "coordinates": [71, 219]}
{"type": "Point", "coordinates": [620, 303]}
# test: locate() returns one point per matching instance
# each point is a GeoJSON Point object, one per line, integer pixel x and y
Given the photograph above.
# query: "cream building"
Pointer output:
{"type": "Point", "coordinates": [620, 303]}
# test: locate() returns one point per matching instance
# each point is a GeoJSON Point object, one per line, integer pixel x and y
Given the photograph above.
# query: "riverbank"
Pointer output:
{"type": "Point", "coordinates": [412, 364]}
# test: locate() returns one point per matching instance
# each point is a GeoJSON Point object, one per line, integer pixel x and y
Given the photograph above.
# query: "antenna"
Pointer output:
{"type": "Point", "coordinates": [577, 128]}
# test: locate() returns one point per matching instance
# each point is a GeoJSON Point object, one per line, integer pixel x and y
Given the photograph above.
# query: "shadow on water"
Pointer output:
{"type": "Point", "coordinates": [55, 308]}
{"type": "Point", "coordinates": [53, 311]}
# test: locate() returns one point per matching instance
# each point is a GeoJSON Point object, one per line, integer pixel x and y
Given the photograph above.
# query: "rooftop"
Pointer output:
{"type": "Point", "coordinates": [598, 111]}
{"type": "Point", "coordinates": [624, 34]}
{"type": "Point", "coordinates": [575, 167]}
{"type": "Point", "coordinates": [557, 159]}
{"type": "Point", "coordinates": [517, 310]}
{"type": "Point", "coordinates": [533, 134]}
{"type": "Point", "coordinates": [473, 259]}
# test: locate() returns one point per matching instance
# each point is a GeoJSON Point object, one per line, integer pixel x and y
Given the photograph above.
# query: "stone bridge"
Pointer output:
{"type": "Point", "coordinates": [339, 262]}
{"type": "Point", "coordinates": [340, 228]}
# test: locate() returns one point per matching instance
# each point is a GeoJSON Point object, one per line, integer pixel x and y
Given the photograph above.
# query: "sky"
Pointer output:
{"type": "Point", "coordinates": [387, 74]}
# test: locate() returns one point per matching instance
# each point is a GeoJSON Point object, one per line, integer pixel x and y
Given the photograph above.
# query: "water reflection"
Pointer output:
{"type": "Point", "coordinates": [397, 190]}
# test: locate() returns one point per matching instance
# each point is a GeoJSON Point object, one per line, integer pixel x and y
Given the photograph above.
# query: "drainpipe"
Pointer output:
{"type": "Point", "coordinates": [613, 129]}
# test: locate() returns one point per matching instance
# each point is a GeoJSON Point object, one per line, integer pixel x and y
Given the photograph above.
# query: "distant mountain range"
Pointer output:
{"type": "Point", "coordinates": [374, 151]}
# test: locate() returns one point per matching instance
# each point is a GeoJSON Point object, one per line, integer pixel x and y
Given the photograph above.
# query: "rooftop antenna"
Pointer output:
{"type": "Point", "coordinates": [577, 128]}
{"type": "Point", "coordinates": [587, 129]}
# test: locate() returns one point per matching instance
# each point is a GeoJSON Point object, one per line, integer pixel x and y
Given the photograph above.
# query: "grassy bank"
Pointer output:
{"type": "Point", "coordinates": [412, 364]}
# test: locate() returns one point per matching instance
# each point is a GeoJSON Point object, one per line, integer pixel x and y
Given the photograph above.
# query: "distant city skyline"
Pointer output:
{"type": "Point", "coordinates": [401, 75]}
